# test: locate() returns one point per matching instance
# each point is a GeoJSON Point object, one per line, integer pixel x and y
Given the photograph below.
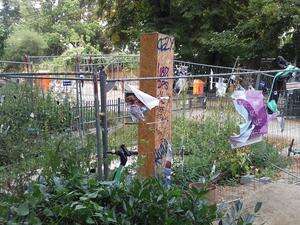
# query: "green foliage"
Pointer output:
{"type": "Point", "coordinates": [209, 31]}
{"type": "Point", "coordinates": [263, 156]}
{"type": "Point", "coordinates": [22, 42]}
{"type": "Point", "coordinates": [68, 24]}
{"type": "Point", "coordinates": [66, 61]}
{"type": "Point", "coordinates": [126, 135]}
{"type": "Point", "coordinates": [9, 14]}
{"type": "Point", "coordinates": [86, 201]}
{"type": "Point", "coordinates": [207, 143]}
{"type": "Point", "coordinates": [35, 137]}
{"type": "Point", "coordinates": [236, 214]}
{"type": "Point", "coordinates": [2, 39]}
{"type": "Point", "coordinates": [27, 106]}
{"type": "Point", "coordinates": [214, 32]}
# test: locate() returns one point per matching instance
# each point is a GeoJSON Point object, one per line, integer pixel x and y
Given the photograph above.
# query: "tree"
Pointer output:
{"type": "Point", "coordinates": [22, 42]}
{"type": "Point", "coordinates": [212, 31]}
{"type": "Point", "coordinates": [208, 31]}
{"type": "Point", "coordinates": [9, 15]}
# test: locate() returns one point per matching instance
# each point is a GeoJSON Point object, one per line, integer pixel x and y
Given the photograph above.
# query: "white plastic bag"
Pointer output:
{"type": "Point", "coordinates": [139, 103]}
{"type": "Point", "coordinates": [221, 87]}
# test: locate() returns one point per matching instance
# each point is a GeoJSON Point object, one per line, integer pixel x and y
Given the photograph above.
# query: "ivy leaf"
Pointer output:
{"type": "Point", "coordinates": [111, 220]}
{"type": "Point", "coordinates": [83, 198]}
{"type": "Point", "coordinates": [23, 209]}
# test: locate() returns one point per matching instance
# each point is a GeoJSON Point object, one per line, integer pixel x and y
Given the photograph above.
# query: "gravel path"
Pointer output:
{"type": "Point", "coordinates": [281, 204]}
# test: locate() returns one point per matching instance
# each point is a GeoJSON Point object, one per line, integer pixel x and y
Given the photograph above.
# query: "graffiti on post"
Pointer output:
{"type": "Point", "coordinates": [164, 87]}
{"type": "Point", "coordinates": [163, 71]}
{"type": "Point", "coordinates": [165, 44]}
{"type": "Point", "coordinates": [163, 113]}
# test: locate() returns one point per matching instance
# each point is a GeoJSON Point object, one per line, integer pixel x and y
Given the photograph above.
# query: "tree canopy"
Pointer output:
{"type": "Point", "coordinates": [208, 31]}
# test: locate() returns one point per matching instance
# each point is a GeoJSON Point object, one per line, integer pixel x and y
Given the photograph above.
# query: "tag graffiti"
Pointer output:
{"type": "Point", "coordinates": [165, 44]}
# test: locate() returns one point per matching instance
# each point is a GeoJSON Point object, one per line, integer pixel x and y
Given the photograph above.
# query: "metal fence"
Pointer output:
{"type": "Point", "coordinates": [105, 114]}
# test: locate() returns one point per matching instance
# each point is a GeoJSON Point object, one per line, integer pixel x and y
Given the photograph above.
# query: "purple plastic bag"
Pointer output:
{"type": "Point", "coordinates": [250, 105]}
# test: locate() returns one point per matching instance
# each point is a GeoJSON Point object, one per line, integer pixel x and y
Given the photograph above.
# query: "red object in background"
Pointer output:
{"type": "Point", "coordinates": [44, 83]}
{"type": "Point", "coordinates": [198, 87]}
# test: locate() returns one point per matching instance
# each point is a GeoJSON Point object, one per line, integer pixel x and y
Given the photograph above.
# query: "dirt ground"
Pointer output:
{"type": "Point", "coordinates": [281, 204]}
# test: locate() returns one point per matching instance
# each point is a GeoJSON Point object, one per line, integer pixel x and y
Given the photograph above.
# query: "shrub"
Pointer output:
{"type": "Point", "coordinates": [28, 115]}
{"type": "Point", "coordinates": [263, 156]}
{"type": "Point", "coordinates": [23, 41]}
{"type": "Point", "coordinates": [207, 142]}
{"type": "Point", "coordinates": [86, 201]}
{"type": "Point", "coordinates": [35, 137]}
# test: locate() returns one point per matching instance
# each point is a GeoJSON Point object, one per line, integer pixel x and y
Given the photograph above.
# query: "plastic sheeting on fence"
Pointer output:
{"type": "Point", "coordinates": [250, 105]}
{"type": "Point", "coordinates": [141, 104]}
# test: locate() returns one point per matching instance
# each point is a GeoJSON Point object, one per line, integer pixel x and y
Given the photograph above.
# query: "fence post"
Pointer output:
{"type": "Point", "coordinates": [119, 107]}
{"type": "Point", "coordinates": [257, 81]}
{"type": "Point", "coordinates": [97, 121]}
{"type": "Point", "coordinates": [79, 100]}
{"type": "Point", "coordinates": [26, 59]}
{"type": "Point", "coordinates": [190, 102]}
{"type": "Point", "coordinates": [156, 60]}
{"type": "Point", "coordinates": [104, 120]}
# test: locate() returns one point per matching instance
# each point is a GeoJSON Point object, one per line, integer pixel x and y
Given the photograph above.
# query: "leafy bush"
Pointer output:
{"type": "Point", "coordinates": [22, 42]}
{"type": "Point", "coordinates": [207, 142]}
{"type": "Point", "coordinates": [27, 115]}
{"type": "Point", "coordinates": [237, 214]}
{"type": "Point", "coordinates": [86, 201]}
{"type": "Point", "coordinates": [66, 61]}
{"type": "Point", "coordinates": [263, 156]}
{"type": "Point", "coordinates": [35, 137]}
{"type": "Point", "coordinates": [62, 155]}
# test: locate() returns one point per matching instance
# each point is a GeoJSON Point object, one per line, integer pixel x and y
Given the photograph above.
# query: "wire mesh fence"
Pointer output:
{"type": "Point", "coordinates": [71, 98]}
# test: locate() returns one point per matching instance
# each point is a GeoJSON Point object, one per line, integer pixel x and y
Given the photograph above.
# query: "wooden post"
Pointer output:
{"type": "Point", "coordinates": [156, 60]}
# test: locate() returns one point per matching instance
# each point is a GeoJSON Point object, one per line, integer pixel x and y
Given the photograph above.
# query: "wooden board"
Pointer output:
{"type": "Point", "coordinates": [156, 60]}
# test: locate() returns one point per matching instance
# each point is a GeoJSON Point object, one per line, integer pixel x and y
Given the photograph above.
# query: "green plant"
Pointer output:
{"type": "Point", "coordinates": [24, 41]}
{"type": "Point", "coordinates": [236, 214]}
{"type": "Point", "coordinates": [263, 156]}
{"type": "Point", "coordinates": [125, 135]}
{"type": "Point", "coordinates": [82, 200]}
{"type": "Point", "coordinates": [29, 116]}
{"type": "Point", "coordinates": [205, 142]}
{"type": "Point", "coordinates": [37, 137]}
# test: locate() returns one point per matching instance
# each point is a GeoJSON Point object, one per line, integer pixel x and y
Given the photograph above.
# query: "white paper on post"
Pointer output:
{"type": "Point", "coordinates": [149, 101]}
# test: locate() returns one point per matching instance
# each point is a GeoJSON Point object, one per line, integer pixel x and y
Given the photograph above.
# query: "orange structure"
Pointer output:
{"type": "Point", "coordinates": [45, 84]}
{"type": "Point", "coordinates": [198, 87]}
{"type": "Point", "coordinates": [156, 60]}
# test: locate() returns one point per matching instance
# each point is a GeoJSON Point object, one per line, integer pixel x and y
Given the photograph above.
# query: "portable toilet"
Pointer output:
{"type": "Point", "coordinates": [198, 87]}
{"type": "Point", "coordinates": [43, 83]}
